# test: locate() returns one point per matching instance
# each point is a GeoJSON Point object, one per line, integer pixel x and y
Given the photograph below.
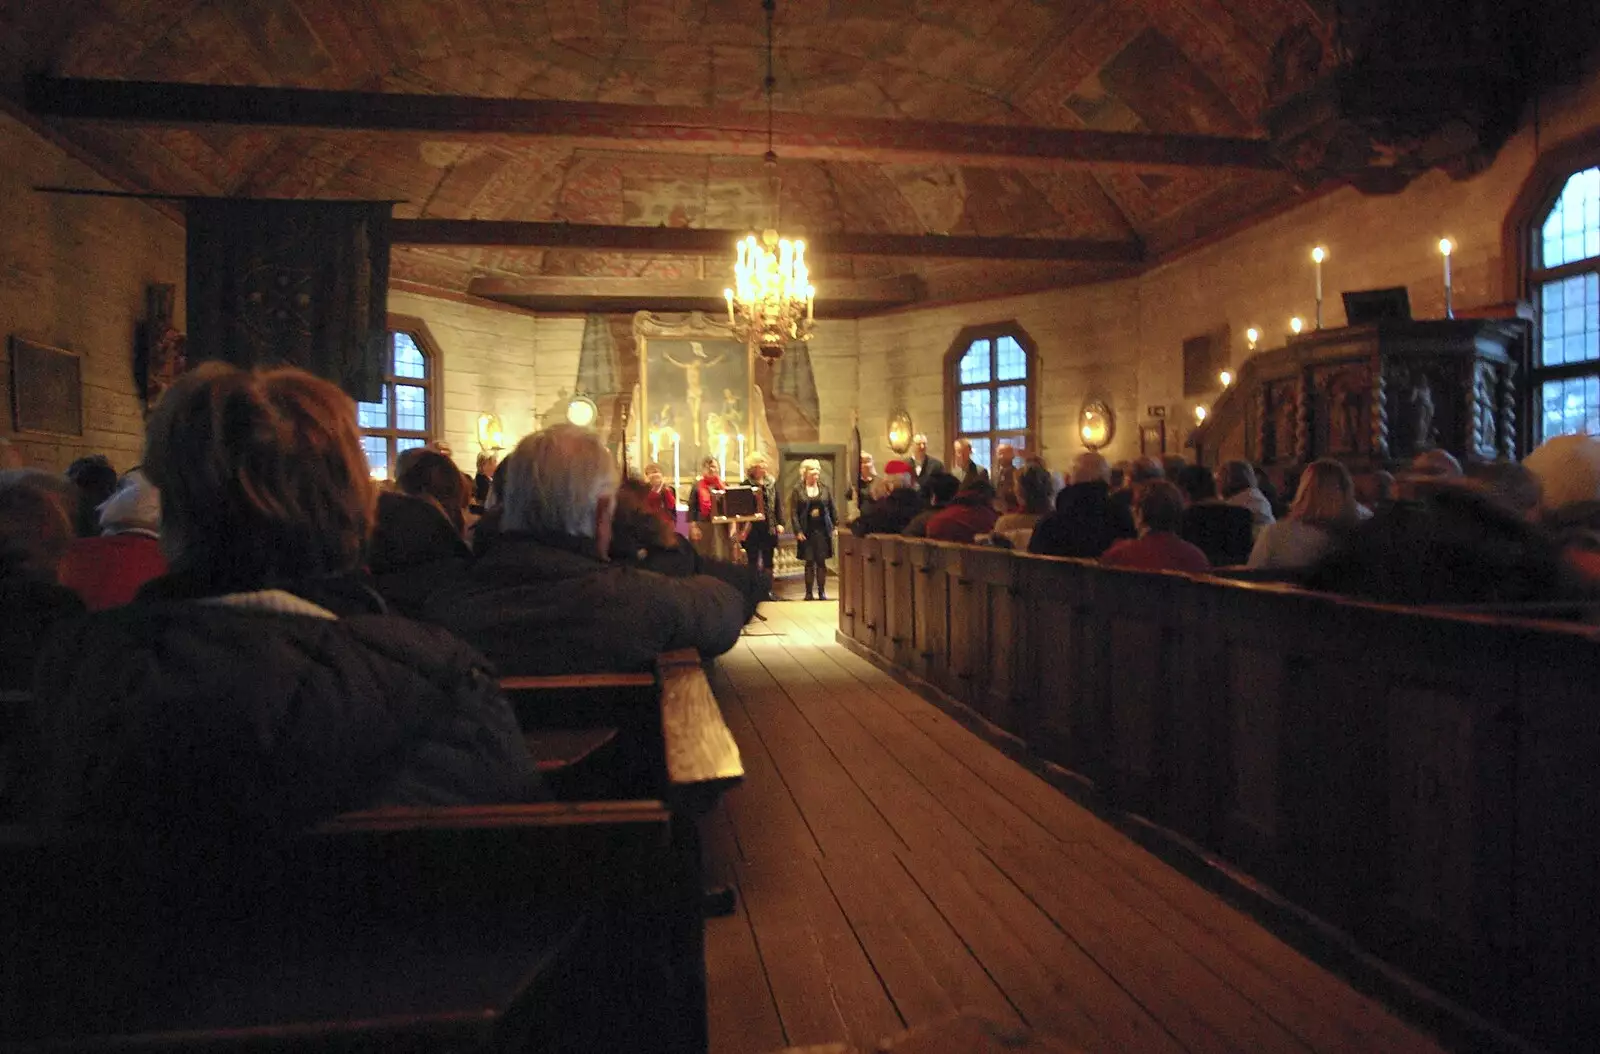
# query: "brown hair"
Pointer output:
{"type": "Point", "coordinates": [1326, 496]}
{"type": "Point", "coordinates": [35, 528]}
{"type": "Point", "coordinates": [1160, 506]}
{"type": "Point", "coordinates": [263, 480]}
{"type": "Point", "coordinates": [432, 475]}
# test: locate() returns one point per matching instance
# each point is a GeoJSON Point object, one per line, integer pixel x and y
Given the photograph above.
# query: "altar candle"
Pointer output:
{"type": "Point", "coordinates": [1446, 247]}
{"type": "Point", "coordinates": [676, 476]}
{"type": "Point", "coordinates": [1318, 255]}
{"type": "Point", "coordinates": [741, 452]}
{"type": "Point", "coordinates": [722, 452]}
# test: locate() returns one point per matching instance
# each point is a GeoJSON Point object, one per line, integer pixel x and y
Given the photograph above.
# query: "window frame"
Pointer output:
{"type": "Point", "coordinates": [417, 329]}
{"type": "Point", "coordinates": [1522, 236]}
{"type": "Point", "coordinates": [953, 387]}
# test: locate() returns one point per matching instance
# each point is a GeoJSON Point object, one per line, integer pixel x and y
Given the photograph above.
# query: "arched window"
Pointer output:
{"type": "Point", "coordinates": [990, 378]}
{"type": "Point", "coordinates": [1564, 281]}
{"type": "Point", "coordinates": [406, 416]}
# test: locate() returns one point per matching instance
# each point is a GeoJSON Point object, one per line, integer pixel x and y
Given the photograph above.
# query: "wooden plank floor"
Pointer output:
{"type": "Point", "coordinates": [893, 868]}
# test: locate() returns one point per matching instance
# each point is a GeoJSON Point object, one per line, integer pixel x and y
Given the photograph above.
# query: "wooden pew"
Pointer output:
{"type": "Point", "coordinates": [1423, 778]}
{"type": "Point", "coordinates": [658, 734]}
{"type": "Point", "coordinates": [473, 928]}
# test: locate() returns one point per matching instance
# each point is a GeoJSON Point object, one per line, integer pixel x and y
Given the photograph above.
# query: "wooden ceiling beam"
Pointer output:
{"type": "Point", "coordinates": [844, 298]}
{"type": "Point", "coordinates": [670, 129]}
{"type": "Point", "coordinates": [674, 241]}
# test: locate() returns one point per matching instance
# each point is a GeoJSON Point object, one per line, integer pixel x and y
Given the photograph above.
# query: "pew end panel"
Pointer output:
{"type": "Point", "coordinates": [849, 579]}
{"type": "Point", "coordinates": [871, 628]}
{"type": "Point", "coordinates": [899, 615]}
{"type": "Point", "coordinates": [930, 606]}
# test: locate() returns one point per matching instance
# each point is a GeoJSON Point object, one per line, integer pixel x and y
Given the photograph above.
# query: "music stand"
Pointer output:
{"type": "Point", "coordinates": [1365, 306]}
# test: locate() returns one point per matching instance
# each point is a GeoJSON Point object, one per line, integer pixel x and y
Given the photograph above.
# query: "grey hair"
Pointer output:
{"type": "Point", "coordinates": [555, 480]}
{"type": "Point", "coordinates": [810, 464]}
{"type": "Point", "coordinates": [1235, 477]}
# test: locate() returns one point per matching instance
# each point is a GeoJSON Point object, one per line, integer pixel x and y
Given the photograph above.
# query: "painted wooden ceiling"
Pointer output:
{"type": "Point", "coordinates": [1196, 67]}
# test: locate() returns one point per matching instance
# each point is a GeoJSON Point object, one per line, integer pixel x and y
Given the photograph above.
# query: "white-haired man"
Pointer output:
{"type": "Point", "coordinates": [544, 599]}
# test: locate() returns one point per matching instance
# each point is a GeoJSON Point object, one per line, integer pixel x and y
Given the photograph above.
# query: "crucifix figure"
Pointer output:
{"type": "Point", "coordinates": [691, 375]}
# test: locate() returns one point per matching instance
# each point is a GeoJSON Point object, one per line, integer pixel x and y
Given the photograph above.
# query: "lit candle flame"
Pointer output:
{"type": "Point", "coordinates": [1226, 378]}
{"type": "Point", "coordinates": [1200, 414]}
{"type": "Point", "coordinates": [1446, 246]}
{"type": "Point", "coordinates": [1319, 254]}
{"type": "Point", "coordinates": [1297, 324]}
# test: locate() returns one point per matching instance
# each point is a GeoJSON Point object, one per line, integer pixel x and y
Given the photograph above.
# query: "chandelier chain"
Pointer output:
{"type": "Point", "coordinates": [771, 302]}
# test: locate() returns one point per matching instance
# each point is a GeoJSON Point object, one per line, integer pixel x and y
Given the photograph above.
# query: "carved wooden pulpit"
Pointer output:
{"type": "Point", "coordinates": [1374, 396]}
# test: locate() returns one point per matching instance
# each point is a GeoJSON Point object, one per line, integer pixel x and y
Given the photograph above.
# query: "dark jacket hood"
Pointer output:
{"type": "Point", "coordinates": [199, 713]}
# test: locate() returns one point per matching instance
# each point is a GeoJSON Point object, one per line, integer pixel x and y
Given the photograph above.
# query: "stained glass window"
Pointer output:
{"type": "Point", "coordinates": [1566, 368]}
{"type": "Point", "coordinates": [991, 384]}
{"type": "Point", "coordinates": [403, 417]}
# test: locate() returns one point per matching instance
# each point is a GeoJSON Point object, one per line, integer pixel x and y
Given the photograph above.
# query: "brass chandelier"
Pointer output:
{"type": "Point", "coordinates": [772, 301]}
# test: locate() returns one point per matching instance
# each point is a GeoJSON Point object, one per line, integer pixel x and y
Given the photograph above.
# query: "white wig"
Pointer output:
{"type": "Point", "coordinates": [555, 480]}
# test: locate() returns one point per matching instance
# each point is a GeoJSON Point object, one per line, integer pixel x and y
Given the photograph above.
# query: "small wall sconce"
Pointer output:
{"type": "Point", "coordinates": [582, 411]}
{"type": "Point", "coordinates": [491, 436]}
{"type": "Point", "coordinates": [1096, 424]}
{"type": "Point", "coordinates": [900, 431]}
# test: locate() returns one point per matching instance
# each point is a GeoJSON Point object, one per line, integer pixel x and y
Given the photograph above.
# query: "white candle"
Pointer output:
{"type": "Point", "coordinates": [1318, 255]}
{"type": "Point", "coordinates": [676, 474]}
{"type": "Point", "coordinates": [1446, 247]}
{"type": "Point", "coordinates": [729, 294]}
{"type": "Point", "coordinates": [741, 452]}
{"type": "Point", "coordinates": [722, 452]}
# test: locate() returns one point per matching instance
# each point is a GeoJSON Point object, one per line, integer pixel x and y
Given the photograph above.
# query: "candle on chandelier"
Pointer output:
{"type": "Point", "coordinates": [1318, 255]}
{"type": "Point", "coordinates": [1253, 335]}
{"type": "Point", "coordinates": [1446, 247]}
{"type": "Point", "coordinates": [1296, 324]}
{"type": "Point", "coordinates": [729, 294]}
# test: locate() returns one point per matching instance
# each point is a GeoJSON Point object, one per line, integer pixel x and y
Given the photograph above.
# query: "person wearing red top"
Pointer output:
{"type": "Point", "coordinates": [660, 499]}
{"type": "Point", "coordinates": [1159, 512]}
{"type": "Point", "coordinates": [970, 513]}
{"type": "Point", "coordinates": [106, 572]}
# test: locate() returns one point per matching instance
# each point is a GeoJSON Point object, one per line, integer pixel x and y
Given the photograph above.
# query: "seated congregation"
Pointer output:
{"type": "Point", "coordinates": [245, 639]}
{"type": "Point", "coordinates": [1499, 532]}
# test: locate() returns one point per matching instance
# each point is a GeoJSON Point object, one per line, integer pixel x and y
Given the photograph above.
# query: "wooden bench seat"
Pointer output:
{"type": "Point", "coordinates": [390, 929]}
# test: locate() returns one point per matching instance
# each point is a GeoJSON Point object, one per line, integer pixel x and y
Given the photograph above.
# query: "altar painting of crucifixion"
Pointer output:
{"type": "Point", "coordinates": [700, 390]}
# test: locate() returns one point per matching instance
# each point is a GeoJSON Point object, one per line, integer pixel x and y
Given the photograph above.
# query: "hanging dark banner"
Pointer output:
{"type": "Point", "coordinates": [292, 283]}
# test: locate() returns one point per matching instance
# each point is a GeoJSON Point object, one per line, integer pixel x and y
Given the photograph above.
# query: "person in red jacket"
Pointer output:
{"type": "Point", "coordinates": [968, 515]}
{"type": "Point", "coordinates": [107, 571]}
{"type": "Point", "coordinates": [1159, 511]}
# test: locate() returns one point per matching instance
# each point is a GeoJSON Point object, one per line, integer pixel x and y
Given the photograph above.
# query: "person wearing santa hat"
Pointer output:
{"type": "Point", "coordinates": [895, 502]}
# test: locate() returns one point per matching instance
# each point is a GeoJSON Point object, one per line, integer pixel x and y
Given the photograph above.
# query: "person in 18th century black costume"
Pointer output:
{"type": "Point", "coordinates": [812, 515]}
{"type": "Point", "coordinates": [760, 539]}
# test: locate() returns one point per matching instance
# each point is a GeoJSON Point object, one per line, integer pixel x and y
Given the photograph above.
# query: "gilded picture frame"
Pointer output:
{"type": "Point", "coordinates": [697, 380]}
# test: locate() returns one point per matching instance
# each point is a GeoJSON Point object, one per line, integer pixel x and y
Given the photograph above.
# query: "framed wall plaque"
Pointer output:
{"type": "Point", "coordinates": [46, 389]}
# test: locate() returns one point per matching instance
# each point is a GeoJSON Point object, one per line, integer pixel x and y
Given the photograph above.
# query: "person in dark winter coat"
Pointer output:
{"type": "Point", "coordinates": [940, 489]}
{"type": "Point", "coordinates": [1086, 521]}
{"type": "Point", "coordinates": [895, 502]}
{"type": "Point", "coordinates": [36, 529]}
{"type": "Point", "coordinates": [545, 598]}
{"type": "Point", "coordinates": [812, 516]}
{"type": "Point", "coordinates": [639, 538]}
{"type": "Point", "coordinates": [261, 687]}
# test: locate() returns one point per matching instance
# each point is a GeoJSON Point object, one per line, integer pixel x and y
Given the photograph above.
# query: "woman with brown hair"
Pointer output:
{"type": "Point", "coordinates": [260, 686]}
{"type": "Point", "coordinates": [1320, 518]}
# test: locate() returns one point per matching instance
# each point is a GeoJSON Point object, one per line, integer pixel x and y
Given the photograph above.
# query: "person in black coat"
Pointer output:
{"type": "Point", "coordinates": [923, 465]}
{"type": "Point", "coordinates": [761, 537]}
{"type": "Point", "coordinates": [812, 515]}
{"type": "Point", "coordinates": [261, 687]}
{"type": "Point", "coordinates": [641, 538]}
{"type": "Point", "coordinates": [1086, 520]}
{"type": "Point", "coordinates": [1225, 533]}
